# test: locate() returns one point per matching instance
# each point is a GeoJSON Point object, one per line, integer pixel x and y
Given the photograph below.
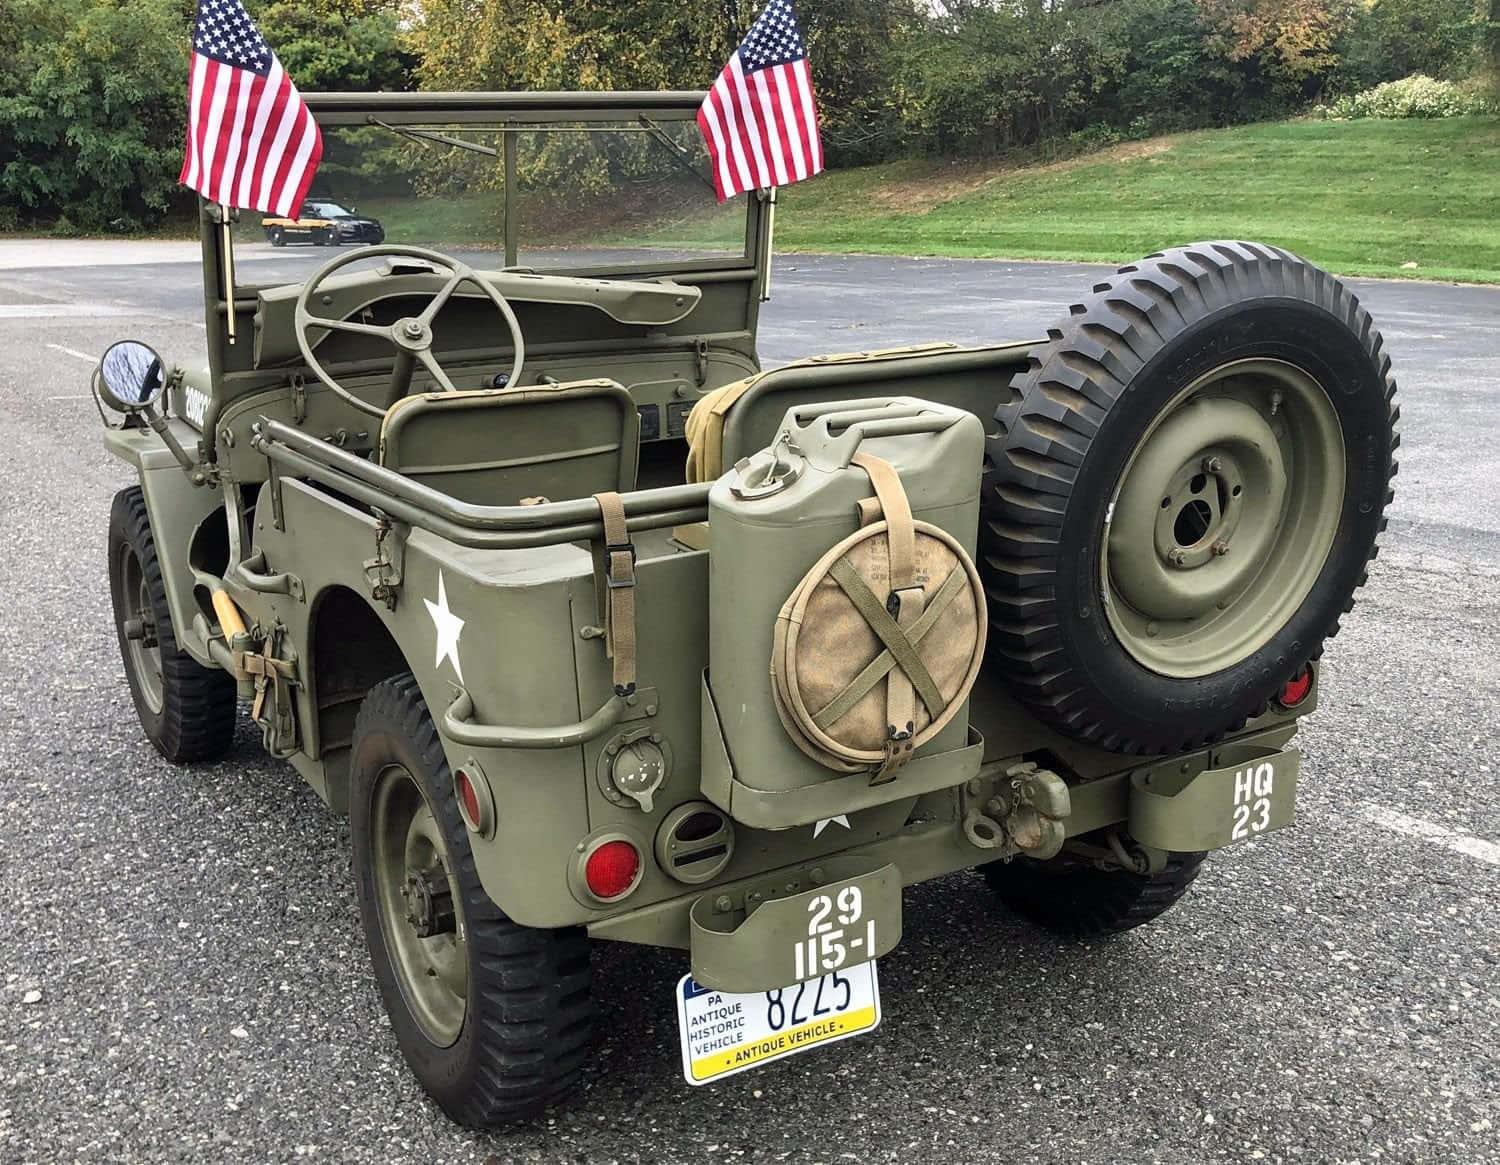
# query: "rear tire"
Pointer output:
{"type": "Point", "coordinates": [494, 1018]}
{"type": "Point", "coordinates": [277, 237]}
{"type": "Point", "coordinates": [1184, 495]}
{"type": "Point", "coordinates": [187, 710]}
{"type": "Point", "coordinates": [1083, 902]}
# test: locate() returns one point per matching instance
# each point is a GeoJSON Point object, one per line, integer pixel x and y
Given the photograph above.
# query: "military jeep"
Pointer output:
{"type": "Point", "coordinates": [598, 630]}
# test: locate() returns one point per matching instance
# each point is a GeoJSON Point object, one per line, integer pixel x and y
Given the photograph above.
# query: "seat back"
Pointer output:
{"type": "Point", "coordinates": [734, 421]}
{"type": "Point", "coordinates": [499, 446]}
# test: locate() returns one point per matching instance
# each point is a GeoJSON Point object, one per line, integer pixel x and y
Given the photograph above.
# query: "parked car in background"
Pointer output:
{"type": "Point", "coordinates": [324, 224]}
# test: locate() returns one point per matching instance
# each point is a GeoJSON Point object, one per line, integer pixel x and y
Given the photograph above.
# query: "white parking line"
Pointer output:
{"type": "Point", "coordinates": [1463, 843]}
{"type": "Point", "coordinates": [75, 352]}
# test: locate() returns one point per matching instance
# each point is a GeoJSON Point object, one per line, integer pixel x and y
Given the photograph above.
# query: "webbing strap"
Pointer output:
{"type": "Point", "coordinates": [900, 531]}
{"type": "Point", "coordinates": [906, 599]}
{"type": "Point", "coordinates": [895, 637]}
{"type": "Point", "coordinates": [875, 671]}
{"type": "Point", "coordinates": [614, 578]}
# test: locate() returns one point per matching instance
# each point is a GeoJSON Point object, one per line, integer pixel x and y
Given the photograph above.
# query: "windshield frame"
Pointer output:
{"type": "Point", "coordinates": [522, 112]}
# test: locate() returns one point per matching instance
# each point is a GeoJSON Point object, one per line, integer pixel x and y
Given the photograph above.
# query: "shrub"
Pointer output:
{"type": "Point", "coordinates": [1414, 96]}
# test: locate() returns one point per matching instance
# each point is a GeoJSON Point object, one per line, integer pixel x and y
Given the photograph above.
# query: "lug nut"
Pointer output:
{"type": "Point", "coordinates": [1212, 465]}
{"type": "Point", "coordinates": [1177, 557]}
{"type": "Point", "coordinates": [1220, 548]}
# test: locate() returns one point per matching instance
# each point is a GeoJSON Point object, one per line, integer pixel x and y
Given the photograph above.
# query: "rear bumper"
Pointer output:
{"type": "Point", "coordinates": [1252, 791]}
{"type": "Point", "coordinates": [838, 912]}
{"type": "Point", "coordinates": [773, 930]}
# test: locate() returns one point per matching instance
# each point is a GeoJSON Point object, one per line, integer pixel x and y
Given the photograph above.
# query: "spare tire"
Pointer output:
{"type": "Point", "coordinates": [1183, 494]}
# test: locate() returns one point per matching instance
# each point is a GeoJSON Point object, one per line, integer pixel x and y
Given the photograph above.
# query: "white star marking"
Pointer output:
{"type": "Point", "coordinates": [841, 819]}
{"type": "Point", "coordinates": [448, 627]}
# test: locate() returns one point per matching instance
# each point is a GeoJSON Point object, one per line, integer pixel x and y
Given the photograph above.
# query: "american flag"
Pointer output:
{"type": "Point", "coordinates": [759, 119]}
{"type": "Point", "coordinates": [251, 141]}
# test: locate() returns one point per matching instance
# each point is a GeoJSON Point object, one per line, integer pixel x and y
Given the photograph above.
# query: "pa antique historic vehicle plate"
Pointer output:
{"type": "Point", "coordinates": [724, 1032]}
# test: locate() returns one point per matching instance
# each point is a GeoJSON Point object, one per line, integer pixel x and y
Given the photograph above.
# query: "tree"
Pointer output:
{"type": "Point", "coordinates": [91, 110]}
{"type": "Point", "coordinates": [1295, 39]}
{"type": "Point", "coordinates": [338, 44]}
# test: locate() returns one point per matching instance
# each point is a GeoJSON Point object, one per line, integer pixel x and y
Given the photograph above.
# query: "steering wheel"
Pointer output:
{"type": "Point", "coordinates": [411, 336]}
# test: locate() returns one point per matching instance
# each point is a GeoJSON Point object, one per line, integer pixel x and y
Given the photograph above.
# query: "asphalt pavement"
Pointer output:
{"type": "Point", "coordinates": [182, 975]}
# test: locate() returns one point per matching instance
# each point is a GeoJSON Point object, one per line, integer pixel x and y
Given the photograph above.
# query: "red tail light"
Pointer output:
{"type": "Point", "coordinates": [612, 870]}
{"type": "Point", "coordinates": [1297, 689]}
{"type": "Point", "coordinates": [468, 799]}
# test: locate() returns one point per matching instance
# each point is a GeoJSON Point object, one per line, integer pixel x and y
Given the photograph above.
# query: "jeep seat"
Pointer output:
{"type": "Point", "coordinates": [734, 421]}
{"type": "Point", "coordinates": [500, 446]}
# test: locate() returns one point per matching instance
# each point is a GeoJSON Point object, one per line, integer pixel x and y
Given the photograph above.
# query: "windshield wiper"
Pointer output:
{"type": "Point", "coordinates": [683, 157]}
{"type": "Point", "coordinates": [423, 136]}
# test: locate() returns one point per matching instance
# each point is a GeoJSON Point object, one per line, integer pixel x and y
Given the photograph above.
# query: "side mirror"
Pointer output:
{"type": "Point", "coordinates": [131, 377]}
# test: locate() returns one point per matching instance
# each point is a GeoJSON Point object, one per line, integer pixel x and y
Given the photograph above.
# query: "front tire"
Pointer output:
{"type": "Point", "coordinates": [494, 1018]}
{"type": "Point", "coordinates": [277, 236]}
{"type": "Point", "coordinates": [1080, 901]}
{"type": "Point", "coordinates": [187, 710]}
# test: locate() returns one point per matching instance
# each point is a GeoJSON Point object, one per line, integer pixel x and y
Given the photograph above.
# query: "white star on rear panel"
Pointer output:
{"type": "Point", "coordinates": [448, 627]}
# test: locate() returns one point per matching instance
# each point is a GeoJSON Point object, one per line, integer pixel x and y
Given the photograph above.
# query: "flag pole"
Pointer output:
{"type": "Point", "coordinates": [226, 247]}
{"type": "Point", "coordinates": [765, 283]}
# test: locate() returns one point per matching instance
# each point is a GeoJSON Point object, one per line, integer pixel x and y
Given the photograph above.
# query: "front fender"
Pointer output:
{"type": "Point", "coordinates": [176, 508]}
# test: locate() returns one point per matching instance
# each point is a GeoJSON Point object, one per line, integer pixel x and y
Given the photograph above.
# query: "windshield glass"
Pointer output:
{"type": "Point", "coordinates": [622, 195]}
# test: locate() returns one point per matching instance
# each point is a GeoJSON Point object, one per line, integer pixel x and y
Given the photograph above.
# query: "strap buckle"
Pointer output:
{"type": "Point", "coordinates": [610, 550]}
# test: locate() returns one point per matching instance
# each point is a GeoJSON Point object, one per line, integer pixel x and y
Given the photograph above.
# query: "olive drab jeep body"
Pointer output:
{"type": "Point", "coordinates": [599, 630]}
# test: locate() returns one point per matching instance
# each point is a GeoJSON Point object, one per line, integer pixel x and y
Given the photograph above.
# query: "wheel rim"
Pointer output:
{"type": "Point", "coordinates": [138, 625]}
{"type": "Point", "coordinates": [1223, 518]}
{"type": "Point", "coordinates": [417, 897]}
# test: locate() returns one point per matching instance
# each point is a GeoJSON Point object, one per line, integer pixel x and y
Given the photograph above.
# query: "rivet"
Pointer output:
{"type": "Point", "coordinates": [815, 875]}
{"type": "Point", "coordinates": [650, 709]}
{"type": "Point", "coordinates": [723, 904]}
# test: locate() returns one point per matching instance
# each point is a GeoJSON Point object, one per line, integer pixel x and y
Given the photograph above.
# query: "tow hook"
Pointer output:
{"type": "Point", "coordinates": [1020, 810]}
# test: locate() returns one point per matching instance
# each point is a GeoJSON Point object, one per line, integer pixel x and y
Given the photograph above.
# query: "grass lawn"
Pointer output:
{"type": "Point", "coordinates": [1359, 197]}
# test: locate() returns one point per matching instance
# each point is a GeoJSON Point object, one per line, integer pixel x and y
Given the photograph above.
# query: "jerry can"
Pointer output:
{"type": "Point", "coordinates": [810, 501]}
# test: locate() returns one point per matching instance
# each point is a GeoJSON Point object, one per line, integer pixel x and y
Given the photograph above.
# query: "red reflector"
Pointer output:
{"type": "Point", "coordinates": [611, 869]}
{"type": "Point", "coordinates": [1296, 690]}
{"type": "Point", "coordinates": [468, 799]}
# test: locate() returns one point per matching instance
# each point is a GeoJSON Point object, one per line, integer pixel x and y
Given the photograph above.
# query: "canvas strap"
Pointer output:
{"type": "Point", "coordinates": [904, 605]}
{"type": "Point", "coordinates": [614, 580]}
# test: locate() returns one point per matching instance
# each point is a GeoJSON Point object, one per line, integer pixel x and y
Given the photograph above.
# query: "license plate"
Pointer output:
{"type": "Point", "coordinates": [724, 1032]}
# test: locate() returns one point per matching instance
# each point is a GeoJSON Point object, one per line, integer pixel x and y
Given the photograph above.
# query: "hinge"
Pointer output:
{"type": "Point", "coordinates": [384, 572]}
{"type": "Point", "coordinates": [701, 350]}
{"type": "Point", "coordinates": [299, 398]}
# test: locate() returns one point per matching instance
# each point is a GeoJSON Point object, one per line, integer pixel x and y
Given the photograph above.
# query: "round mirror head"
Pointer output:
{"type": "Point", "coordinates": [131, 376]}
